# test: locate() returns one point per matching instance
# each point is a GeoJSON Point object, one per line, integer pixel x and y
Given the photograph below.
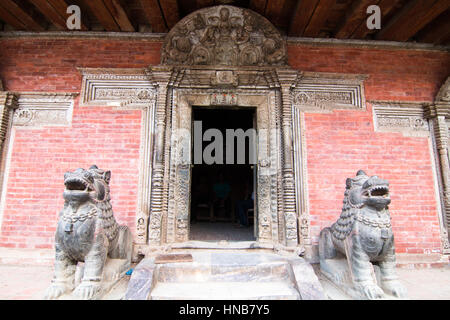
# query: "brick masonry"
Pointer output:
{"type": "Point", "coordinates": [338, 144]}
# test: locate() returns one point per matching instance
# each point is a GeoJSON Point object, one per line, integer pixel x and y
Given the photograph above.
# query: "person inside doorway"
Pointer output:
{"type": "Point", "coordinates": [242, 206]}
{"type": "Point", "coordinates": [200, 196]}
{"type": "Point", "coordinates": [221, 190]}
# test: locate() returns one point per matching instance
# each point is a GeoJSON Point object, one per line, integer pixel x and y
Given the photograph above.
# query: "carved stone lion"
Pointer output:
{"type": "Point", "coordinates": [87, 232]}
{"type": "Point", "coordinates": [363, 233]}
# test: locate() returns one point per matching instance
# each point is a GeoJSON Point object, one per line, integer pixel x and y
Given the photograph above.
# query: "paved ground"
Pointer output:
{"type": "Point", "coordinates": [30, 282]}
{"type": "Point", "coordinates": [24, 282]}
{"type": "Point", "coordinates": [422, 284]}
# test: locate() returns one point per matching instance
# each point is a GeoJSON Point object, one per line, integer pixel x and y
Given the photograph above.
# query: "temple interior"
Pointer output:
{"type": "Point", "coordinates": [218, 188]}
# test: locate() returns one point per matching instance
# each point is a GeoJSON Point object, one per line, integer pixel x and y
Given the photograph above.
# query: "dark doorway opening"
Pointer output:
{"type": "Point", "coordinates": [222, 203]}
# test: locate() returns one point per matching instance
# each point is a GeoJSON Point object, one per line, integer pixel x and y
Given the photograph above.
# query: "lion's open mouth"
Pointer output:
{"type": "Point", "coordinates": [379, 191]}
{"type": "Point", "coordinates": [77, 184]}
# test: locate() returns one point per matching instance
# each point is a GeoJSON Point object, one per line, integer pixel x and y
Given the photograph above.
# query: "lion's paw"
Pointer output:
{"type": "Point", "coordinates": [87, 290]}
{"type": "Point", "coordinates": [371, 291]}
{"type": "Point", "coordinates": [395, 288]}
{"type": "Point", "coordinates": [55, 291]}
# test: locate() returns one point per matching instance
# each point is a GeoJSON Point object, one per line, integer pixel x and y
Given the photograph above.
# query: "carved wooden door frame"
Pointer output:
{"type": "Point", "coordinates": [178, 213]}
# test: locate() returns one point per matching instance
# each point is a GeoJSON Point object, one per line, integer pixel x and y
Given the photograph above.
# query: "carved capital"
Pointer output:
{"type": "Point", "coordinates": [9, 99]}
{"type": "Point", "coordinates": [288, 77]}
{"type": "Point", "coordinates": [438, 109]}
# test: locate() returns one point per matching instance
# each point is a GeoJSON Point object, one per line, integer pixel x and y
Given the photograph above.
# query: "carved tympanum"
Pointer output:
{"type": "Point", "coordinates": [224, 35]}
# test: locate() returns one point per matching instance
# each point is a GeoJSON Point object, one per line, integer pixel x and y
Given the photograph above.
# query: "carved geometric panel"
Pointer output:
{"type": "Point", "coordinates": [320, 92]}
{"type": "Point", "coordinates": [203, 78]}
{"type": "Point", "coordinates": [406, 118]}
{"type": "Point", "coordinates": [116, 87]}
{"type": "Point", "coordinates": [44, 109]}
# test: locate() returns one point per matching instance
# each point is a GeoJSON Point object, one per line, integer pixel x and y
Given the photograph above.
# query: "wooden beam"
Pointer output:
{"type": "Point", "coordinates": [386, 6]}
{"type": "Point", "coordinates": [274, 10]}
{"type": "Point", "coordinates": [119, 15]}
{"type": "Point", "coordinates": [204, 3]}
{"type": "Point", "coordinates": [411, 18]}
{"type": "Point", "coordinates": [319, 17]}
{"type": "Point", "coordinates": [99, 9]}
{"type": "Point", "coordinates": [55, 11]}
{"type": "Point", "coordinates": [437, 32]}
{"type": "Point", "coordinates": [171, 12]}
{"type": "Point", "coordinates": [301, 16]}
{"type": "Point", "coordinates": [186, 7]}
{"type": "Point", "coordinates": [50, 13]}
{"type": "Point", "coordinates": [61, 7]}
{"type": "Point", "coordinates": [8, 18]}
{"type": "Point", "coordinates": [18, 13]}
{"type": "Point", "coordinates": [353, 18]}
{"type": "Point", "coordinates": [258, 6]}
{"type": "Point", "coordinates": [154, 15]}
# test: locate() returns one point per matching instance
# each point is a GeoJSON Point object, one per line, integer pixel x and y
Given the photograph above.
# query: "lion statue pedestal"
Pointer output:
{"type": "Point", "coordinates": [88, 233]}
{"type": "Point", "coordinates": [357, 252]}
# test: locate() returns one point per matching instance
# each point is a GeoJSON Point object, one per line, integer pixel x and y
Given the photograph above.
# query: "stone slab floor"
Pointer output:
{"type": "Point", "coordinates": [29, 282]}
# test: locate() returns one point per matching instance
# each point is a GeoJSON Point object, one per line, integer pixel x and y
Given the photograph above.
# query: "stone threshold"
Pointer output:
{"type": "Point", "coordinates": [222, 245]}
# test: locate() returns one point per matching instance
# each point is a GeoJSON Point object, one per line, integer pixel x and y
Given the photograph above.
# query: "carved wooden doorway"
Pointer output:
{"type": "Point", "coordinates": [224, 152]}
{"type": "Point", "coordinates": [228, 56]}
{"type": "Point", "coordinates": [182, 159]}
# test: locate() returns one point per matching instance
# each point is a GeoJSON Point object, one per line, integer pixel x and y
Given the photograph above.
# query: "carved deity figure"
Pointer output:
{"type": "Point", "coordinates": [363, 234]}
{"type": "Point", "coordinates": [87, 232]}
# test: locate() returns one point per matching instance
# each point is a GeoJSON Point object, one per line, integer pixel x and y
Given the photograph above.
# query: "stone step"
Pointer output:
{"type": "Point", "coordinates": [216, 274]}
{"type": "Point", "coordinates": [223, 267]}
{"type": "Point", "coordinates": [275, 290]}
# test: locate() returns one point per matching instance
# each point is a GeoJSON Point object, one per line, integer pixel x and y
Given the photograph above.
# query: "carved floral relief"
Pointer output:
{"type": "Point", "coordinates": [224, 35]}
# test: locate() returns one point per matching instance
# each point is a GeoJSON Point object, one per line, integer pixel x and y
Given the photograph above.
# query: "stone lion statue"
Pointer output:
{"type": "Point", "coordinates": [363, 234]}
{"type": "Point", "coordinates": [87, 232]}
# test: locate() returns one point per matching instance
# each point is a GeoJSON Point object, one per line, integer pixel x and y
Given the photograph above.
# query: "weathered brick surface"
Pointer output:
{"type": "Point", "coordinates": [102, 136]}
{"type": "Point", "coordinates": [341, 143]}
{"type": "Point", "coordinates": [51, 64]}
{"type": "Point", "coordinates": [407, 75]}
{"type": "Point", "coordinates": [338, 144]}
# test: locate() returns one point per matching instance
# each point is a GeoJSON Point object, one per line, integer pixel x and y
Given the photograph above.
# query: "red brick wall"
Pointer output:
{"type": "Point", "coordinates": [342, 142]}
{"type": "Point", "coordinates": [101, 135]}
{"type": "Point", "coordinates": [338, 144]}
{"type": "Point", "coordinates": [40, 157]}
{"type": "Point", "coordinates": [51, 65]}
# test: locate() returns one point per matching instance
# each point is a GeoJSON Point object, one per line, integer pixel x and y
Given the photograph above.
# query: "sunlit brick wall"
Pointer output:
{"type": "Point", "coordinates": [338, 144]}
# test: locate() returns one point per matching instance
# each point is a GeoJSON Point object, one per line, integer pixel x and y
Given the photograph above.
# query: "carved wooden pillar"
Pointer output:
{"type": "Point", "coordinates": [161, 76]}
{"type": "Point", "coordinates": [287, 78]}
{"type": "Point", "coordinates": [439, 114]}
{"type": "Point", "coordinates": [8, 103]}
